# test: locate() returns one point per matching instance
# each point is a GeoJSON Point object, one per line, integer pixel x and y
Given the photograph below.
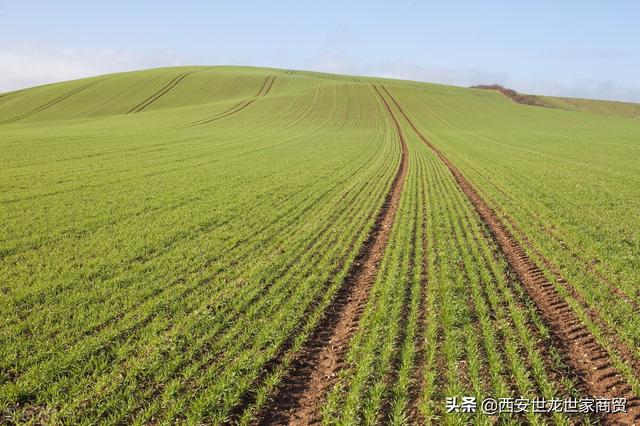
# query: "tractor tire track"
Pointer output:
{"type": "Point", "coordinates": [625, 350]}
{"type": "Point", "coordinates": [285, 350]}
{"type": "Point", "coordinates": [50, 103]}
{"type": "Point", "coordinates": [596, 369]}
{"type": "Point", "coordinates": [167, 88]}
{"type": "Point", "coordinates": [589, 265]}
{"type": "Point", "coordinates": [264, 90]}
{"type": "Point", "coordinates": [301, 394]}
{"type": "Point", "coordinates": [275, 226]}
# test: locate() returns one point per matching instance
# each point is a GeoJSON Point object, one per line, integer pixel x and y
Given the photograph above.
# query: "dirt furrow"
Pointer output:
{"type": "Point", "coordinates": [50, 103]}
{"type": "Point", "coordinates": [151, 99]}
{"type": "Point", "coordinates": [600, 377]}
{"type": "Point", "coordinates": [264, 90]}
{"type": "Point", "coordinates": [301, 394]}
{"type": "Point", "coordinates": [589, 265]}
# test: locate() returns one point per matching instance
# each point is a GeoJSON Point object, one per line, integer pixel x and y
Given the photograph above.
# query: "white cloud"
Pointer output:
{"type": "Point", "coordinates": [583, 88]}
{"type": "Point", "coordinates": [334, 63]}
{"type": "Point", "coordinates": [29, 65]}
{"type": "Point", "coordinates": [459, 76]}
{"type": "Point", "coordinates": [469, 76]}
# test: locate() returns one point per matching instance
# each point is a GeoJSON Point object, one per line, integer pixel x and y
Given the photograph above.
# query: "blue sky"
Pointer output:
{"type": "Point", "coordinates": [571, 48]}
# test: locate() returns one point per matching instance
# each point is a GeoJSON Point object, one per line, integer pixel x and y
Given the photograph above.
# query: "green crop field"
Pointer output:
{"type": "Point", "coordinates": [236, 245]}
{"type": "Point", "coordinates": [620, 109]}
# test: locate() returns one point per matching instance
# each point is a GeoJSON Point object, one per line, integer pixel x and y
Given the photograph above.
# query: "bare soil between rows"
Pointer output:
{"type": "Point", "coordinates": [593, 363]}
{"type": "Point", "coordinates": [301, 394]}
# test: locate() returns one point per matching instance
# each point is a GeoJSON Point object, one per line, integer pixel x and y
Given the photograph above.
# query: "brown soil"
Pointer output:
{"type": "Point", "coordinates": [418, 382]}
{"type": "Point", "coordinates": [623, 350]}
{"type": "Point", "coordinates": [515, 96]}
{"type": "Point", "coordinates": [301, 394]}
{"type": "Point", "coordinates": [583, 352]}
{"type": "Point", "coordinates": [626, 354]}
{"type": "Point", "coordinates": [590, 266]}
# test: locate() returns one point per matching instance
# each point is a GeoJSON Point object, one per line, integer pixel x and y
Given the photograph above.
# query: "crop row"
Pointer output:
{"type": "Point", "coordinates": [446, 305]}
{"type": "Point", "coordinates": [189, 267]}
{"type": "Point", "coordinates": [583, 259]}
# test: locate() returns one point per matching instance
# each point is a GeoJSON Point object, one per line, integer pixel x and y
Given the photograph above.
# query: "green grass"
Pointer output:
{"type": "Point", "coordinates": [569, 183]}
{"type": "Point", "coordinates": [611, 108]}
{"type": "Point", "coordinates": [480, 337]}
{"type": "Point", "coordinates": [158, 263]}
{"type": "Point", "coordinates": [171, 237]}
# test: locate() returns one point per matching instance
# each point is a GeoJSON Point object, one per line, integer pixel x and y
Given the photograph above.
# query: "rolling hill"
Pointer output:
{"type": "Point", "coordinates": [265, 246]}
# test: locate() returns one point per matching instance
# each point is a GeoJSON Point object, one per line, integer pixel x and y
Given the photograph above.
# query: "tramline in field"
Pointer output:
{"type": "Point", "coordinates": [257, 246]}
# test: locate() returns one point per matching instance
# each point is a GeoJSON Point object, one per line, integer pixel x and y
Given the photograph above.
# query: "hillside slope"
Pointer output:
{"type": "Point", "coordinates": [612, 108]}
{"type": "Point", "coordinates": [238, 245]}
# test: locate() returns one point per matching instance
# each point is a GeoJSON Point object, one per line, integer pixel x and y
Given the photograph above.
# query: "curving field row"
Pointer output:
{"type": "Point", "coordinates": [584, 352]}
{"type": "Point", "coordinates": [446, 306]}
{"type": "Point", "coordinates": [345, 250]}
{"type": "Point", "coordinates": [192, 283]}
{"type": "Point", "coordinates": [49, 104]}
{"type": "Point", "coordinates": [151, 99]}
{"type": "Point", "coordinates": [312, 374]}
{"type": "Point", "coordinates": [264, 90]}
